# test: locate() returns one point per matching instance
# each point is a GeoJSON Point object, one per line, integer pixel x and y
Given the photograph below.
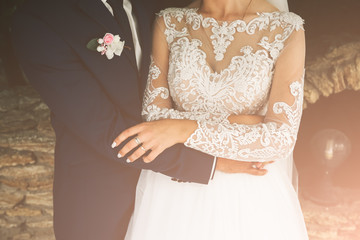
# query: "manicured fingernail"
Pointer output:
{"type": "Point", "coordinates": [128, 161]}
{"type": "Point", "coordinates": [119, 155]}
{"type": "Point", "coordinates": [113, 145]}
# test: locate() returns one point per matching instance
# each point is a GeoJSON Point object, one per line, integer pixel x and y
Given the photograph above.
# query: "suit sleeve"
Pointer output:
{"type": "Point", "coordinates": [79, 101]}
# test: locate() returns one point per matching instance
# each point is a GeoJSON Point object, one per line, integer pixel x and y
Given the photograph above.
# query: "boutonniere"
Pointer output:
{"type": "Point", "coordinates": [109, 45]}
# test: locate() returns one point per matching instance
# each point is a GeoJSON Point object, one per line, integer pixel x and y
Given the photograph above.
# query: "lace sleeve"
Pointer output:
{"type": "Point", "coordinates": [275, 138]}
{"type": "Point", "coordinates": [157, 103]}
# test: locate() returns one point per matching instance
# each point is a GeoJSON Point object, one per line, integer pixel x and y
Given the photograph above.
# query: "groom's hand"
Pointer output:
{"type": "Point", "coordinates": [234, 166]}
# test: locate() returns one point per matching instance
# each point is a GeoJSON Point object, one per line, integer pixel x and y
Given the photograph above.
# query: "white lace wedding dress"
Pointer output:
{"type": "Point", "coordinates": [203, 69]}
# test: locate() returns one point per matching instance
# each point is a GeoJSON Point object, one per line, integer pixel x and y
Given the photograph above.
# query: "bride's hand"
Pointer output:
{"type": "Point", "coordinates": [234, 166]}
{"type": "Point", "coordinates": [152, 138]}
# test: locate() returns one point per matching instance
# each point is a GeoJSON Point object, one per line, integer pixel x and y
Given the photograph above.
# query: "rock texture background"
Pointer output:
{"type": "Point", "coordinates": [26, 165]}
{"type": "Point", "coordinates": [336, 71]}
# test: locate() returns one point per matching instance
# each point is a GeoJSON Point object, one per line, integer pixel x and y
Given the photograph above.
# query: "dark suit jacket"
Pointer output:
{"type": "Point", "coordinates": [92, 99]}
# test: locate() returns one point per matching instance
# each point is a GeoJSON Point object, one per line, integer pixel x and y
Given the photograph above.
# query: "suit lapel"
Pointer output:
{"type": "Point", "coordinates": [96, 10]}
{"type": "Point", "coordinates": [123, 21]}
{"type": "Point", "coordinates": [99, 13]}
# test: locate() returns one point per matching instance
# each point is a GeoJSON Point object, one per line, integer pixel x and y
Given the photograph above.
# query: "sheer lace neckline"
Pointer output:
{"type": "Point", "coordinates": [261, 36]}
{"type": "Point", "coordinates": [230, 22]}
{"type": "Point", "coordinates": [223, 32]}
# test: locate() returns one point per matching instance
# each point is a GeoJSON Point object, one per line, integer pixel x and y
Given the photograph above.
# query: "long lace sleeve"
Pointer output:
{"type": "Point", "coordinates": [157, 102]}
{"type": "Point", "coordinates": [275, 138]}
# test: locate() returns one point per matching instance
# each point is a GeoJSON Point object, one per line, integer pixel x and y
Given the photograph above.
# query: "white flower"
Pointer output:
{"type": "Point", "coordinates": [117, 46]}
{"type": "Point", "coordinates": [100, 48]}
{"type": "Point", "coordinates": [110, 45]}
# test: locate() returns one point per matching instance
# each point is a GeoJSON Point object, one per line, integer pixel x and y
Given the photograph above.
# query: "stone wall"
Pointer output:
{"type": "Point", "coordinates": [335, 71]}
{"type": "Point", "coordinates": [26, 165]}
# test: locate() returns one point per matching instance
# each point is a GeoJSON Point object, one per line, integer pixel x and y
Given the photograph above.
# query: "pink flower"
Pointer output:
{"type": "Point", "coordinates": [108, 38]}
{"type": "Point", "coordinates": [110, 45]}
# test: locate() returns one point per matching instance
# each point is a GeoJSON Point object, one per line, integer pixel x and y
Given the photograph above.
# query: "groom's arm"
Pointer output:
{"type": "Point", "coordinates": [78, 100]}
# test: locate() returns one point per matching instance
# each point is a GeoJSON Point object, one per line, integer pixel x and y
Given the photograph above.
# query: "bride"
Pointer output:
{"type": "Point", "coordinates": [226, 78]}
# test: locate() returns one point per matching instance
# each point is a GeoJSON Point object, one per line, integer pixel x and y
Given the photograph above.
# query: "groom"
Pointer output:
{"type": "Point", "coordinates": [92, 99]}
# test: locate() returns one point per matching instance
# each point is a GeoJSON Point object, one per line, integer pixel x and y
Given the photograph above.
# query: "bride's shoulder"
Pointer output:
{"type": "Point", "coordinates": [175, 18]}
{"type": "Point", "coordinates": [283, 19]}
{"type": "Point", "coordinates": [292, 19]}
{"type": "Point", "coordinates": [174, 12]}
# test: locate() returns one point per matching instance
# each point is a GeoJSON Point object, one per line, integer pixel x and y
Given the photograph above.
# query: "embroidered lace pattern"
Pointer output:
{"type": "Point", "coordinates": [206, 70]}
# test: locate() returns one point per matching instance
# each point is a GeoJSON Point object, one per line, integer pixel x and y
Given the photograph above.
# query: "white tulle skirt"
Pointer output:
{"type": "Point", "coordinates": [232, 206]}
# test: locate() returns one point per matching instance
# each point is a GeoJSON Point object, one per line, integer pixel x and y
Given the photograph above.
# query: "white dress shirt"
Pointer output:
{"type": "Point", "coordinates": [134, 30]}
{"type": "Point", "coordinates": [133, 26]}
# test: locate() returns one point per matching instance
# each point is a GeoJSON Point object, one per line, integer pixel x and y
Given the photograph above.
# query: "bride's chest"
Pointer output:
{"type": "Point", "coordinates": [240, 86]}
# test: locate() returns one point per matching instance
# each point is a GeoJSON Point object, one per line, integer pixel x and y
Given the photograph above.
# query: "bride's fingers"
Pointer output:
{"type": "Point", "coordinates": [138, 153]}
{"type": "Point", "coordinates": [257, 172]}
{"type": "Point", "coordinates": [261, 165]}
{"type": "Point", "coordinates": [256, 169]}
{"type": "Point", "coordinates": [268, 162]}
{"type": "Point", "coordinates": [129, 146]}
{"type": "Point", "coordinates": [126, 134]}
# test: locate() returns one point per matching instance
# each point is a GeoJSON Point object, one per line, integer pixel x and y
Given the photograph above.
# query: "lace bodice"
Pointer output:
{"type": "Point", "coordinates": [206, 70]}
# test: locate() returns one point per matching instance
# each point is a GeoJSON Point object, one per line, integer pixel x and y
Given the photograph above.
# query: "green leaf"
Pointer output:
{"type": "Point", "coordinates": [93, 44]}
